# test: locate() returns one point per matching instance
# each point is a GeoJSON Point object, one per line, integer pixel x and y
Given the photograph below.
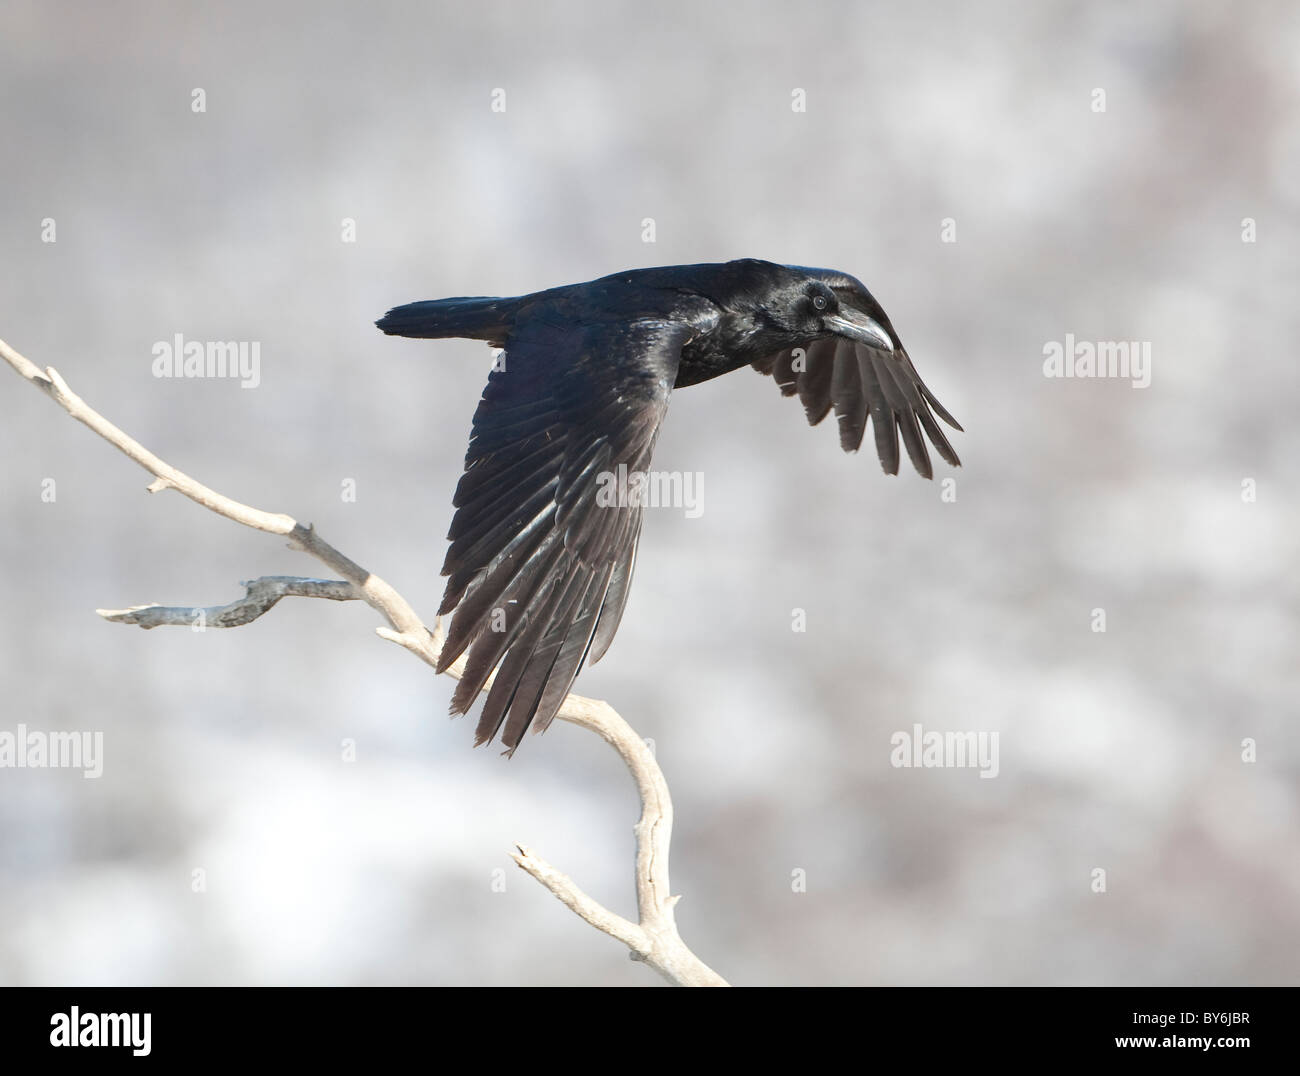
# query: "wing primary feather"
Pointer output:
{"type": "Point", "coordinates": [940, 410]}
{"type": "Point", "coordinates": [784, 373]}
{"type": "Point", "coordinates": [883, 426]}
{"type": "Point", "coordinates": [861, 385]}
{"type": "Point", "coordinates": [534, 699]}
{"type": "Point", "coordinates": [815, 380]}
{"type": "Point", "coordinates": [937, 436]}
{"type": "Point", "coordinates": [501, 695]}
{"type": "Point", "coordinates": [915, 443]}
{"type": "Point", "coordinates": [494, 535]}
{"type": "Point", "coordinates": [849, 399]}
{"type": "Point", "coordinates": [611, 610]}
{"type": "Point", "coordinates": [520, 566]}
{"type": "Point", "coordinates": [572, 655]}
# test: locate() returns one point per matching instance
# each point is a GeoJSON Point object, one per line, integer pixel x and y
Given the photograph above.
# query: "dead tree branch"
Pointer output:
{"type": "Point", "coordinates": [654, 938]}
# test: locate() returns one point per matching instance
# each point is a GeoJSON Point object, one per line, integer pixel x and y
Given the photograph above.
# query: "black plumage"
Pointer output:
{"type": "Point", "coordinates": [538, 569]}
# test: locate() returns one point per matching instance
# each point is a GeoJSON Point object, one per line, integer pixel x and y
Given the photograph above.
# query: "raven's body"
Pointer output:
{"type": "Point", "coordinates": [539, 563]}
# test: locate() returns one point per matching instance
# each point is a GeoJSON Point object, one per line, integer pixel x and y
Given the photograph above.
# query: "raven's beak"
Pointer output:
{"type": "Point", "coordinates": [859, 327]}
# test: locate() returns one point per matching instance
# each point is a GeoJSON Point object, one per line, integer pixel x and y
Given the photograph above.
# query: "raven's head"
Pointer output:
{"type": "Point", "coordinates": [821, 335]}
{"type": "Point", "coordinates": [828, 303]}
{"type": "Point", "coordinates": [811, 304]}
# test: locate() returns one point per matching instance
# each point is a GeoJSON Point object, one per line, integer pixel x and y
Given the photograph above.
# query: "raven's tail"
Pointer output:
{"type": "Point", "coordinates": [475, 317]}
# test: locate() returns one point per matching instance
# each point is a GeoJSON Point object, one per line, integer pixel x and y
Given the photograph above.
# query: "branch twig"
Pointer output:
{"type": "Point", "coordinates": [654, 938]}
{"type": "Point", "coordinates": [260, 597]}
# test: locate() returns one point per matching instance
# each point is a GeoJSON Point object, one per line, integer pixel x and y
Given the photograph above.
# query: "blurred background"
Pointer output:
{"type": "Point", "coordinates": [999, 174]}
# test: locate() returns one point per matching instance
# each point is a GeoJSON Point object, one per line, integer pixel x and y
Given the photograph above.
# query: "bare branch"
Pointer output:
{"type": "Point", "coordinates": [654, 939]}
{"type": "Point", "coordinates": [261, 596]}
{"type": "Point", "coordinates": [574, 898]}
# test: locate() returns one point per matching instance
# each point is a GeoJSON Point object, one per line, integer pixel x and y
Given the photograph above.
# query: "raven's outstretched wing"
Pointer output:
{"type": "Point", "coordinates": [542, 543]}
{"type": "Point", "coordinates": [857, 381]}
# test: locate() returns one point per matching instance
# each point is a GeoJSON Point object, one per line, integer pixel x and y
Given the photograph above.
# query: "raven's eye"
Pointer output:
{"type": "Point", "coordinates": [819, 301]}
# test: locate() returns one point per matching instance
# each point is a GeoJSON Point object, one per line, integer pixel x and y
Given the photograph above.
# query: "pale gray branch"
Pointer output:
{"type": "Point", "coordinates": [654, 939]}
{"type": "Point", "coordinates": [260, 597]}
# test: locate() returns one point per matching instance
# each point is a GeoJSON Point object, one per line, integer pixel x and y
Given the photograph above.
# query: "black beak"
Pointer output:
{"type": "Point", "coordinates": [859, 327]}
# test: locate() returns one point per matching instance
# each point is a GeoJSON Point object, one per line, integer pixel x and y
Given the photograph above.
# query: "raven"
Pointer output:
{"type": "Point", "coordinates": [539, 564]}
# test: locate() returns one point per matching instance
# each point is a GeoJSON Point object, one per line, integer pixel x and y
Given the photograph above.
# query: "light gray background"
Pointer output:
{"type": "Point", "coordinates": [1119, 750]}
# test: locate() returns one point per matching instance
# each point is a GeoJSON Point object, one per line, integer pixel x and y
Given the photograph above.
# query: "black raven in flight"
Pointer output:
{"type": "Point", "coordinates": [539, 565]}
